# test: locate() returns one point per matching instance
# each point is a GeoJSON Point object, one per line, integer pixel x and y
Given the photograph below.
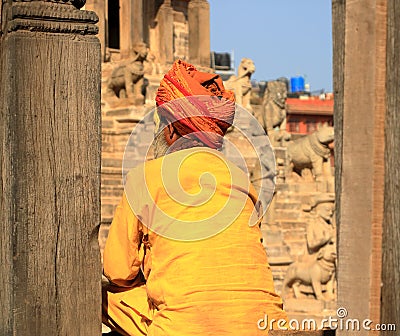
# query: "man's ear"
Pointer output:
{"type": "Point", "coordinates": [170, 134]}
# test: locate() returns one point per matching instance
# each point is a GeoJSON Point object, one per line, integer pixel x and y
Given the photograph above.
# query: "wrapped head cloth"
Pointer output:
{"type": "Point", "coordinates": [196, 102]}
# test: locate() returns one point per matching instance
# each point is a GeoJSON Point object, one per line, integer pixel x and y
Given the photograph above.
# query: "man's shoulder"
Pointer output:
{"type": "Point", "coordinates": [198, 158]}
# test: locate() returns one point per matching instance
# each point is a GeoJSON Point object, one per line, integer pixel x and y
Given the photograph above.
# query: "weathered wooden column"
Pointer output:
{"type": "Point", "coordinates": [125, 28]}
{"type": "Point", "coordinates": [137, 17]}
{"type": "Point", "coordinates": [165, 33]}
{"type": "Point", "coordinates": [50, 268]}
{"type": "Point", "coordinates": [131, 25]}
{"type": "Point", "coordinates": [99, 7]}
{"type": "Point", "coordinates": [199, 32]}
{"type": "Point", "coordinates": [359, 35]}
{"type": "Point", "coordinates": [390, 297]}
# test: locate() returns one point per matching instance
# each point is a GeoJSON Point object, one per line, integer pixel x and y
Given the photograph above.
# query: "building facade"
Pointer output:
{"type": "Point", "coordinates": [304, 115]}
{"type": "Point", "coordinates": [171, 29]}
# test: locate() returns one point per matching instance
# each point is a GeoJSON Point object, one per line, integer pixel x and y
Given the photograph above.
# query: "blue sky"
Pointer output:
{"type": "Point", "coordinates": [283, 37]}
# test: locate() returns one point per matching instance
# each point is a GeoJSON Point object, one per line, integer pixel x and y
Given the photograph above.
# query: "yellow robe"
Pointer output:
{"type": "Point", "coordinates": [211, 279]}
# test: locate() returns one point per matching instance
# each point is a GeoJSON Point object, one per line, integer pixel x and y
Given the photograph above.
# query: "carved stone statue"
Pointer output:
{"type": "Point", "coordinates": [241, 83]}
{"type": "Point", "coordinates": [151, 67]}
{"type": "Point", "coordinates": [126, 80]}
{"type": "Point", "coordinates": [316, 271]}
{"type": "Point", "coordinates": [312, 152]}
{"type": "Point", "coordinates": [321, 229]}
{"type": "Point", "coordinates": [319, 266]}
{"type": "Point", "coordinates": [274, 112]}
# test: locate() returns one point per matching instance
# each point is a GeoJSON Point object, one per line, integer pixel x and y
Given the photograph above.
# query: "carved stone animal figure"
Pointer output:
{"type": "Point", "coordinates": [317, 271]}
{"type": "Point", "coordinates": [126, 80]}
{"type": "Point", "coordinates": [241, 84]}
{"type": "Point", "coordinates": [273, 117]}
{"type": "Point", "coordinates": [312, 152]}
{"type": "Point", "coordinates": [274, 104]}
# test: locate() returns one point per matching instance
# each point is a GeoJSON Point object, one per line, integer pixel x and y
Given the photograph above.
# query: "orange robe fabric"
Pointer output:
{"type": "Point", "coordinates": [218, 285]}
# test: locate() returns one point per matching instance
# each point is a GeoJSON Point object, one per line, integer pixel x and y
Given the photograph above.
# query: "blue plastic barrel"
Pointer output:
{"type": "Point", "coordinates": [297, 84]}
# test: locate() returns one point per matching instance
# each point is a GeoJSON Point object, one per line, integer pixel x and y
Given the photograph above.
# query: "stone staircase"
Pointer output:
{"type": "Point", "coordinates": [284, 231]}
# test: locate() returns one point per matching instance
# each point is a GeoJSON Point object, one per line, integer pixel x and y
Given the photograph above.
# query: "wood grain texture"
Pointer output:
{"type": "Point", "coordinates": [6, 211]}
{"type": "Point", "coordinates": [390, 308]}
{"type": "Point", "coordinates": [338, 35]}
{"type": "Point", "coordinates": [51, 184]}
{"type": "Point", "coordinates": [359, 57]}
{"type": "Point", "coordinates": [378, 143]}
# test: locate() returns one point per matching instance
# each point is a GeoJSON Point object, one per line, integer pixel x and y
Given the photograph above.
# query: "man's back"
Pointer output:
{"type": "Point", "coordinates": [189, 223]}
{"type": "Point", "coordinates": [214, 276]}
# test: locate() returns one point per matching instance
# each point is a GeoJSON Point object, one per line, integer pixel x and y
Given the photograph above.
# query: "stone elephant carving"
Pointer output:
{"type": "Point", "coordinates": [126, 80]}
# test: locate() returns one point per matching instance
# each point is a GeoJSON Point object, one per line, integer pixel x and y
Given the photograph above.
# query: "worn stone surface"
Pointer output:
{"type": "Point", "coordinates": [170, 28]}
{"type": "Point", "coordinates": [241, 84]}
{"type": "Point", "coordinates": [181, 36]}
{"type": "Point", "coordinates": [315, 271]}
{"type": "Point", "coordinates": [313, 153]}
{"type": "Point", "coordinates": [126, 79]}
{"type": "Point", "coordinates": [118, 125]}
{"type": "Point", "coordinates": [273, 112]}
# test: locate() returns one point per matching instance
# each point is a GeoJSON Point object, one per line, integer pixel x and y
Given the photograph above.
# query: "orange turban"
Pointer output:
{"type": "Point", "coordinates": [196, 102]}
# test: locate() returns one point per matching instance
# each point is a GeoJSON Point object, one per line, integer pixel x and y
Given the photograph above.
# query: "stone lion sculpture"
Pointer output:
{"type": "Point", "coordinates": [126, 80]}
{"type": "Point", "coordinates": [315, 272]}
{"type": "Point", "coordinates": [241, 83]}
{"type": "Point", "coordinates": [274, 113]}
{"type": "Point", "coordinates": [312, 152]}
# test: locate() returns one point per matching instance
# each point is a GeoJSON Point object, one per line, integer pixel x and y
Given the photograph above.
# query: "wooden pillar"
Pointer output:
{"type": "Point", "coordinates": [359, 35]}
{"type": "Point", "coordinates": [131, 25]}
{"type": "Point", "coordinates": [50, 268]}
{"type": "Point", "coordinates": [125, 28]}
{"type": "Point", "coordinates": [137, 16]}
{"type": "Point", "coordinates": [390, 309]}
{"type": "Point", "coordinates": [199, 32]}
{"type": "Point", "coordinates": [99, 7]}
{"type": "Point", "coordinates": [148, 9]}
{"type": "Point", "coordinates": [165, 33]}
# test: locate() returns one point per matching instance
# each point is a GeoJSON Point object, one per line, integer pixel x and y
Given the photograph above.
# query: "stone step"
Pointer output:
{"type": "Point", "coordinates": [114, 162]}
{"type": "Point", "coordinates": [299, 187]}
{"type": "Point", "coordinates": [111, 180]}
{"type": "Point", "coordinates": [279, 272]}
{"type": "Point", "coordinates": [107, 123]}
{"type": "Point", "coordinates": [281, 214]}
{"type": "Point", "coordinates": [296, 234]}
{"type": "Point", "coordinates": [113, 185]}
{"type": "Point", "coordinates": [297, 249]}
{"type": "Point", "coordinates": [107, 211]}
{"type": "Point", "coordinates": [278, 254]}
{"type": "Point", "coordinates": [292, 224]}
{"type": "Point", "coordinates": [110, 171]}
{"type": "Point", "coordinates": [288, 204]}
{"type": "Point", "coordinates": [272, 237]}
{"type": "Point", "coordinates": [112, 192]}
{"type": "Point", "coordinates": [309, 308]}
